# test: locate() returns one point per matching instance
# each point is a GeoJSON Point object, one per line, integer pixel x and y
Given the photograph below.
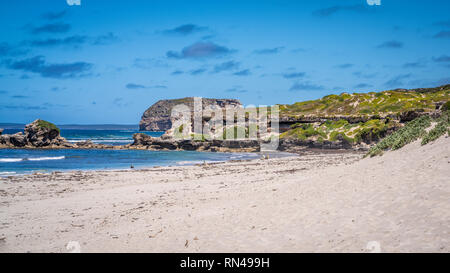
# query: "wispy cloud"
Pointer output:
{"type": "Point", "coordinates": [226, 66]}
{"type": "Point", "coordinates": [397, 81]}
{"type": "Point", "coordinates": [442, 23]}
{"type": "Point", "coordinates": [305, 86]}
{"type": "Point", "coordinates": [265, 51]}
{"type": "Point", "coordinates": [360, 74]}
{"type": "Point", "coordinates": [120, 102]}
{"type": "Point", "coordinates": [245, 72]}
{"type": "Point", "coordinates": [418, 64]}
{"type": "Point", "coordinates": [39, 66]}
{"type": "Point", "coordinates": [68, 41]}
{"type": "Point", "coordinates": [19, 97]}
{"type": "Point", "coordinates": [236, 89]}
{"type": "Point", "coordinates": [106, 39]}
{"type": "Point", "coordinates": [185, 29]}
{"type": "Point", "coordinates": [200, 50]}
{"type": "Point", "coordinates": [22, 107]}
{"type": "Point", "coordinates": [197, 71]}
{"type": "Point", "coordinates": [148, 63]}
{"type": "Point", "coordinates": [293, 75]}
{"type": "Point", "coordinates": [325, 12]}
{"type": "Point", "coordinates": [391, 44]}
{"type": "Point", "coordinates": [344, 66]}
{"type": "Point", "coordinates": [363, 85]}
{"type": "Point", "coordinates": [74, 41]}
{"type": "Point", "coordinates": [442, 59]}
{"type": "Point", "coordinates": [177, 72]}
{"type": "Point", "coordinates": [54, 15]}
{"type": "Point", "coordinates": [9, 50]}
{"type": "Point", "coordinates": [442, 35]}
{"type": "Point", "coordinates": [135, 86]}
{"type": "Point", "coordinates": [140, 86]}
{"type": "Point", "coordinates": [51, 28]}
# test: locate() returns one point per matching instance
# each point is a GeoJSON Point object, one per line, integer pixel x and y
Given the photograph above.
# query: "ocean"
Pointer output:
{"type": "Point", "coordinates": [23, 161]}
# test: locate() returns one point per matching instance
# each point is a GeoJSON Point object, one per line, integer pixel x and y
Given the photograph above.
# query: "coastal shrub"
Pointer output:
{"type": "Point", "coordinates": [405, 135]}
{"type": "Point", "coordinates": [334, 130]}
{"type": "Point", "coordinates": [334, 136]}
{"type": "Point", "coordinates": [371, 130]}
{"type": "Point", "coordinates": [303, 131]}
{"type": "Point", "coordinates": [442, 127]}
{"type": "Point", "coordinates": [381, 103]}
{"type": "Point", "coordinates": [48, 125]}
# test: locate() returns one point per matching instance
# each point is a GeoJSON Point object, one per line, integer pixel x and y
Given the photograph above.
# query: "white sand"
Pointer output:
{"type": "Point", "coordinates": [306, 204]}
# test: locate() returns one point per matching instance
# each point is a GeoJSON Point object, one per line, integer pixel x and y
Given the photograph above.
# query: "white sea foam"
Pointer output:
{"type": "Point", "coordinates": [105, 140]}
{"type": "Point", "coordinates": [193, 162]}
{"type": "Point", "coordinates": [32, 159]}
{"type": "Point", "coordinates": [10, 159]}
{"type": "Point", "coordinates": [7, 173]}
{"type": "Point", "coordinates": [46, 158]}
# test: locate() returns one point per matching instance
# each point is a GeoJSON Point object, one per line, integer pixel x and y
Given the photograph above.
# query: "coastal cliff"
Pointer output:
{"type": "Point", "coordinates": [355, 121]}
{"type": "Point", "coordinates": [158, 116]}
{"type": "Point", "coordinates": [360, 118]}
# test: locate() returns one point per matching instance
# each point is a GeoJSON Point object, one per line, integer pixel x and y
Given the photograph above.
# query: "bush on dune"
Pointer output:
{"type": "Point", "coordinates": [412, 131]}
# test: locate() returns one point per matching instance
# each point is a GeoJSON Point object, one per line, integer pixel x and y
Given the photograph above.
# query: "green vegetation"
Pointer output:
{"type": "Point", "coordinates": [178, 132]}
{"type": "Point", "coordinates": [200, 137]}
{"type": "Point", "coordinates": [370, 104]}
{"type": "Point", "coordinates": [446, 106]}
{"type": "Point", "coordinates": [340, 130]}
{"type": "Point", "coordinates": [235, 131]}
{"type": "Point", "coordinates": [442, 127]}
{"type": "Point", "coordinates": [303, 132]}
{"type": "Point", "coordinates": [412, 131]}
{"type": "Point", "coordinates": [48, 125]}
{"type": "Point", "coordinates": [180, 129]}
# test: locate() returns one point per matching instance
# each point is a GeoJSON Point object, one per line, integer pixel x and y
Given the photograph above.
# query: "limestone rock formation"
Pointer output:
{"type": "Point", "coordinates": [39, 133]}
{"type": "Point", "coordinates": [143, 141]}
{"type": "Point", "coordinates": [158, 116]}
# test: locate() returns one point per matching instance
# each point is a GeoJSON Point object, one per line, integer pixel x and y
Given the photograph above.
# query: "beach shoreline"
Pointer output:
{"type": "Point", "coordinates": [333, 202]}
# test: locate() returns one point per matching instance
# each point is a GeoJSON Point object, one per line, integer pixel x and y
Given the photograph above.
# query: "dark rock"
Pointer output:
{"type": "Point", "coordinates": [41, 133]}
{"type": "Point", "coordinates": [18, 140]}
{"type": "Point", "coordinates": [1, 131]}
{"type": "Point", "coordinates": [37, 134]}
{"type": "Point", "coordinates": [143, 141]}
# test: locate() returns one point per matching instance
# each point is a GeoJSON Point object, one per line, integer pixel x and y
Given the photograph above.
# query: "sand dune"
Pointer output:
{"type": "Point", "coordinates": [312, 203]}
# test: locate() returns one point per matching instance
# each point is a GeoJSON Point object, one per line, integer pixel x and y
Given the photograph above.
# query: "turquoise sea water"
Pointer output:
{"type": "Point", "coordinates": [19, 161]}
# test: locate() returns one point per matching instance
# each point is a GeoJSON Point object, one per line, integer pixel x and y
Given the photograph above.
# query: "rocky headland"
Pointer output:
{"type": "Point", "coordinates": [347, 121]}
{"type": "Point", "coordinates": [158, 116]}
{"type": "Point", "coordinates": [354, 121]}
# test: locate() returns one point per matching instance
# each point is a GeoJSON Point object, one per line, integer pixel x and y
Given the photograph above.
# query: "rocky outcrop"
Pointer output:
{"type": "Point", "coordinates": [37, 134]}
{"type": "Point", "coordinates": [1, 131]}
{"type": "Point", "coordinates": [158, 116]}
{"type": "Point", "coordinates": [143, 141]}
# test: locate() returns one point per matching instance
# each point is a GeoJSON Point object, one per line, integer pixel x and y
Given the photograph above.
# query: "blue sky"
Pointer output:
{"type": "Point", "coordinates": [107, 61]}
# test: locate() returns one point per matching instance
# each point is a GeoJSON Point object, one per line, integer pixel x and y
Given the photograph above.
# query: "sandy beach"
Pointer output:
{"type": "Point", "coordinates": [330, 202]}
